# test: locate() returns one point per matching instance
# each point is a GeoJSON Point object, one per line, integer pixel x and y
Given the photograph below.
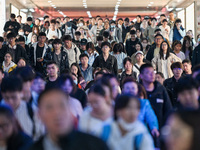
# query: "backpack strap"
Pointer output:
{"type": "Point", "coordinates": [58, 32]}
{"type": "Point", "coordinates": [47, 31]}
{"type": "Point", "coordinates": [75, 50]}
{"type": "Point", "coordinates": [106, 132]}
{"type": "Point", "coordinates": [31, 115]}
{"type": "Point", "coordinates": [137, 67]}
{"type": "Point", "coordinates": [137, 141]}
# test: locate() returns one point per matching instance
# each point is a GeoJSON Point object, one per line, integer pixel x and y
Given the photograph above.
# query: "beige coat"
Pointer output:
{"type": "Point", "coordinates": [157, 63]}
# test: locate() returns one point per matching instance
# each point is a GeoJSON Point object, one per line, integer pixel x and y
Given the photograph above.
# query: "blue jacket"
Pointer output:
{"type": "Point", "coordinates": [147, 114]}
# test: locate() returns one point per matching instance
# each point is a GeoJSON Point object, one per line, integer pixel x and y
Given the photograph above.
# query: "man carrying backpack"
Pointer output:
{"type": "Point", "coordinates": [52, 32]}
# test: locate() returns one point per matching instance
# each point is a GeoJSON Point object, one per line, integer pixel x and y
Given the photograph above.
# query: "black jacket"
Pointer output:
{"type": "Point", "coordinates": [150, 53]}
{"type": "Point", "coordinates": [130, 46]}
{"type": "Point", "coordinates": [75, 141]}
{"type": "Point", "coordinates": [110, 64]}
{"type": "Point", "coordinates": [15, 25]}
{"type": "Point", "coordinates": [124, 31]}
{"type": "Point", "coordinates": [64, 63]}
{"type": "Point", "coordinates": [19, 52]}
{"type": "Point", "coordinates": [170, 85]}
{"type": "Point", "coordinates": [124, 75]}
{"type": "Point", "coordinates": [160, 102]}
{"type": "Point", "coordinates": [196, 56]}
{"type": "Point", "coordinates": [20, 141]}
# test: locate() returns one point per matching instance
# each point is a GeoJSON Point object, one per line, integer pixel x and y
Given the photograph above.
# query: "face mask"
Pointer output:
{"type": "Point", "coordinates": [80, 24]}
{"type": "Point", "coordinates": [21, 33]}
{"type": "Point", "coordinates": [112, 26]}
{"type": "Point", "coordinates": [69, 28]}
{"type": "Point", "coordinates": [198, 39]}
{"type": "Point", "coordinates": [76, 82]}
{"type": "Point", "coordinates": [125, 125]}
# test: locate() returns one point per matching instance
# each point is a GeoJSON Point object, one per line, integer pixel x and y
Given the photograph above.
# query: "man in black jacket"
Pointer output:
{"type": "Point", "coordinates": [156, 93]}
{"type": "Point", "coordinates": [125, 28]}
{"type": "Point", "coordinates": [58, 55]}
{"type": "Point", "coordinates": [130, 43]}
{"type": "Point", "coordinates": [177, 69]}
{"type": "Point", "coordinates": [12, 24]}
{"type": "Point", "coordinates": [55, 112]}
{"type": "Point", "coordinates": [16, 50]}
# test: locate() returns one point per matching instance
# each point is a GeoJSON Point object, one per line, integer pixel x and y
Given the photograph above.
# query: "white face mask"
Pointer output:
{"type": "Point", "coordinates": [21, 33]}
{"type": "Point", "coordinates": [80, 24]}
{"type": "Point", "coordinates": [125, 125]}
{"type": "Point", "coordinates": [76, 82]}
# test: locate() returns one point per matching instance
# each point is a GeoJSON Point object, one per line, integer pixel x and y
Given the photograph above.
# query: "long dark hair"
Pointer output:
{"type": "Point", "coordinates": [185, 39]}
{"type": "Point", "coordinates": [79, 74]}
{"type": "Point", "coordinates": [161, 50]}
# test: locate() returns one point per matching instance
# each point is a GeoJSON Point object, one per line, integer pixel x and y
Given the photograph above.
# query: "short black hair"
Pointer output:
{"type": "Point", "coordinates": [29, 19]}
{"type": "Point", "coordinates": [50, 90]}
{"type": "Point", "coordinates": [1, 39]}
{"type": "Point", "coordinates": [139, 16]}
{"type": "Point", "coordinates": [11, 35]}
{"type": "Point", "coordinates": [157, 30]}
{"type": "Point", "coordinates": [186, 61]}
{"type": "Point", "coordinates": [127, 59]}
{"type": "Point", "coordinates": [122, 102]}
{"type": "Point", "coordinates": [25, 73]}
{"type": "Point", "coordinates": [176, 65]}
{"type": "Point", "coordinates": [45, 17]}
{"type": "Point", "coordinates": [106, 34]}
{"type": "Point", "coordinates": [178, 21]}
{"type": "Point", "coordinates": [56, 41]}
{"type": "Point", "coordinates": [97, 89]}
{"type": "Point", "coordinates": [83, 55]}
{"type": "Point", "coordinates": [161, 74]}
{"type": "Point", "coordinates": [11, 84]}
{"type": "Point", "coordinates": [153, 19]}
{"type": "Point", "coordinates": [126, 19]}
{"type": "Point", "coordinates": [186, 83]}
{"type": "Point", "coordinates": [105, 43]}
{"type": "Point", "coordinates": [21, 39]}
{"type": "Point", "coordinates": [162, 15]}
{"type": "Point", "coordinates": [67, 38]}
{"type": "Point", "coordinates": [120, 19]}
{"type": "Point", "coordinates": [117, 48]}
{"type": "Point", "coordinates": [12, 16]}
{"type": "Point", "coordinates": [132, 32]}
{"type": "Point", "coordinates": [158, 35]}
{"type": "Point", "coordinates": [53, 21]}
{"type": "Point", "coordinates": [144, 66]}
{"type": "Point", "coordinates": [164, 20]}
{"type": "Point", "coordinates": [51, 62]}
{"type": "Point", "coordinates": [19, 16]}
{"type": "Point", "coordinates": [78, 33]}
{"type": "Point", "coordinates": [100, 38]}
{"type": "Point", "coordinates": [42, 34]}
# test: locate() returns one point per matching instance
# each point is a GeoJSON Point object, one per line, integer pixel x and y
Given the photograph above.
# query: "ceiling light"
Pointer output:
{"type": "Point", "coordinates": [117, 5]}
{"type": "Point", "coordinates": [85, 6]}
{"type": "Point", "coordinates": [49, 1]}
{"type": "Point", "coordinates": [85, 3]}
{"type": "Point", "coordinates": [118, 2]}
{"type": "Point", "coordinates": [54, 7]}
{"type": "Point", "coordinates": [151, 2]}
{"type": "Point", "coordinates": [31, 10]}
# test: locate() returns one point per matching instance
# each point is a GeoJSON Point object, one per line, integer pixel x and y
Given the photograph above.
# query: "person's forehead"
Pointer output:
{"type": "Point", "coordinates": [53, 96]}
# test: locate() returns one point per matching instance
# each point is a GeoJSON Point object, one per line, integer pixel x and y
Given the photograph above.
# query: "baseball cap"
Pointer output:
{"type": "Point", "coordinates": [139, 52]}
{"type": "Point", "coordinates": [83, 41]}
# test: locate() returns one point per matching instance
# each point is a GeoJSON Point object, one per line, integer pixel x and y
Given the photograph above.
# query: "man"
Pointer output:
{"type": "Point", "coordinates": [125, 28]}
{"type": "Point", "coordinates": [156, 93]}
{"type": "Point", "coordinates": [83, 46]}
{"type": "Point", "coordinates": [105, 28]}
{"type": "Point", "coordinates": [187, 91]}
{"type": "Point", "coordinates": [115, 32]}
{"type": "Point", "coordinates": [138, 22]}
{"type": "Point", "coordinates": [86, 69]}
{"type": "Point", "coordinates": [155, 49]}
{"type": "Point", "coordinates": [120, 23]}
{"type": "Point", "coordinates": [19, 20]}
{"type": "Point", "coordinates": [59, 124]}
{"type": "Point", "coordinates": [165, 29]}
{"type": "Point", "coordinates": [37, 53]}
{"type": "Point", "coordinates": [162, 17]}
{"type": "Point", "coordinates": [71, 49]}
{"type": "Point", "coordinates": [28, 26]}
{"type": "Point", "coordinates": [177, 69]}
{"type": "Point", "coordinates": [52, 32]}
{"type": "Point", "coordinates": [150, 30]}
{"type": "Point", "coordinates": [171, 19]}
{"type": "Point", "coordinates": [196, 55]}
{"type": "Point", "coordinates": [187, 67]}
{"type": "Point", "coordinates": [21, 41]}
{"type": "Point", "coordinates": [69, 30]}
{"type": "Point", "coordinates": [46, 19]}
{"type": "Point", "coordinates": [105, 60]}
{"type": "Point", "coordinates": [99, 42]}
{"type": "Point", "coordinates": [11, 88]}
{"type": "Point", "coordinates": [130, 43]}
{"type": "Point", "coordinates": [52, 74]}
{"type": "Point", "coordinates": [12, 24]}
{"type": "Point", "coordinates": [16, 50]}
{"type": "Point", "coordinates": [58, 55]}
{"type": "Point", "coordinates": [77, 39]}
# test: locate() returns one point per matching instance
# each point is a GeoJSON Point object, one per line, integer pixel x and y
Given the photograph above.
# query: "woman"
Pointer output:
{"type": "Point", "coordinates": [177, 32]}
{"type": "Point", "coordinates": [8, 65]}
{"type": "Point", "coordinates": [35, 30]}
{"type": "Point", "coordinates": [66, 84]}
{"type": "Point", "coordinates": [138, 47]}
{"type": "Point", "coordinates": [21, 62]}
{"type": "Point", "coordinates": [100, 113]}
{"type": "Point", "coordinates": [119, 55]}
{"type": "Point", "coordinates": [33, 40]}
{"type": "Point", "coordinates": [91, 52]}
{"type": "Point", "coordinates": [126, 132]}
{"type": "Point", "coordinates": [187, 47]}
{"type": "Point", "coordinates": [139, 56]}
{"type": "Point", "coordinates": [77, 71]}
{"type": "Point", "coordinates": [128, 66]}
{"type": "Point", "coordinates": [11, 135]}
{"type": "Point", "coordinates": [162, 62]}
{"type": "Point", "coordinates": [176, 47]}
{"type": "Point", "coordinates": [182, 131]}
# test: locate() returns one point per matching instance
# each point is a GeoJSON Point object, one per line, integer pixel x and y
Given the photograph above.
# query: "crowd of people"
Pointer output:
{"type": "Point", "coordinates": [99, 84]}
